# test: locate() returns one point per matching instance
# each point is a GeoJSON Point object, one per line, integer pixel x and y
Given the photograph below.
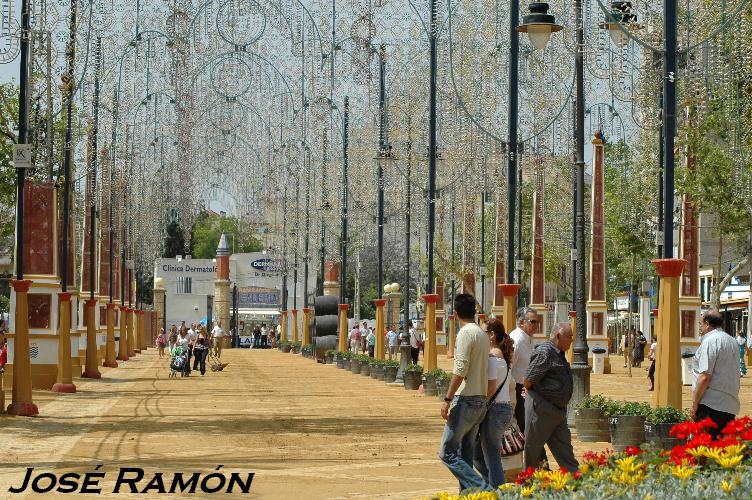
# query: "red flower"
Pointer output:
{"type": "Point", "coordinates": [577, 474]}
{"type": "Point", "coordinates": [525, 475]}
{"type": "Point", "coordinates": [738, 426]}
{"type": "Point", "coordinates": [688, 429]}
{"type": "Point", "coordinates": [633, 450]}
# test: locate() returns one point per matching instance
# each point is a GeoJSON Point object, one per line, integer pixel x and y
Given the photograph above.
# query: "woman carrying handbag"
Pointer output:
{"type": "Point", "coordinates": [493, 429]}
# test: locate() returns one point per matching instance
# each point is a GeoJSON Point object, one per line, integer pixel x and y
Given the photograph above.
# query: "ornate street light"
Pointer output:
{"type": "Point", "coordinates": [618, 21]}
{"type": "Point", "coordinates": [539, 24]}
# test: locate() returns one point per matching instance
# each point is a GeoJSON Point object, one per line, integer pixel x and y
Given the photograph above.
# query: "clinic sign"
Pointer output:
{"type": "Point", "coordinates": [265, 267]}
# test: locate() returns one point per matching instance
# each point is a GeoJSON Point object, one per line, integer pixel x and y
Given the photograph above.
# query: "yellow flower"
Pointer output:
{"type": "Point", "coordinates": [729, 462]}
{"type": "Point", "coordinates": [700, 451]}
{"type": "Point", "coordinates": [629, 464]}
{"type": "Point", "coordinates": [584, 468]}
{"type": "Point", "coordinates": [528, 491]}
{"type": "Point", "coordinates": [480, 495]}
{"type": "Point", "coordinates": [734, 449]}
{"type": "Point", "coordinates": [683, 472]}
{"type": "Point", "coordinates": [541, 474]}
{"type": "Point", "coordinates": [507, 486]}
{"type": "Point", "coordinates": [726, 487]}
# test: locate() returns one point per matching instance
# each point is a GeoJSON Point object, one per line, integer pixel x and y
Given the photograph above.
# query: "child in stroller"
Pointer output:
{"type": "Point", "coordinates": [178, 362]}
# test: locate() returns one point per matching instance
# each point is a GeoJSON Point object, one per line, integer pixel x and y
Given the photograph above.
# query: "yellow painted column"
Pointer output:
{"type": "Point", "coordinates": [143, 334]}
{"type": "Point", "coordinates": [91, 370]}
{"type": "Point", "coordinates": [136, 331]}
{"type": "Point", "coordinates": [307, 326]}
{"type": "Point", "coordinates": [429, 354]}
{"type": "Point", "coordinates": [573, 322]}
{"type": "Point", "coordinates": [668, 378]}
{"type": "Point", "coordinates": [452, 335]}
{"type": "Point", "coordinates": [656, 336]}
{"type": "Point", "coordinates": [283, 332]}
{"type": "Point", "coordinates": [64, 382]}
{"type": "Point", "coordinates": [294, 325]}
{"type": "Point", "coordinates": [342, 345]}
{"type": "Point", "coordinates": [123, 342]}
{"type": "Point", "coordinates": [21, 401]}
{"type": "Point", "coordinates": [380, 351]}
{"type": "Point", "coordinates": [510, 306]}
{"type": "Point", "coordinates": [130, 342]}
{"type": "Point", "coordinates": [109, 350]}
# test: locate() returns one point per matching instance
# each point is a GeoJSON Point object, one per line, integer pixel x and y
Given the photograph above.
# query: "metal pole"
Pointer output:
{"type": "Point", "coordinates": [406, 289]}
{"type": "Point", "coordinates": [380, 166]}
{"type": "Point", "coordinates": [306, 248]}
{"type": "Point", "coordinates": [574, 214]}
{"type": "Point", "coordinates": [69, 91]}
{"type": "Point", "coordinates": [343, 236]}
{"type": "Point", "coordinates": [514, 44]}
{"type": "Point", "coordinates": [669, 123]}
{"type": "Point", "coordinates": [22, 129]}
{"type": "Point", "coordinates": [580, 348]}
{"type": "Point", "coordinates": [93, 173]}
{"type": "Point", "coordinates": [432, 35]}
{"type": "Point", "coordinates": [519, 219]}
{"type": "Point", "coordinates": [483, 243]}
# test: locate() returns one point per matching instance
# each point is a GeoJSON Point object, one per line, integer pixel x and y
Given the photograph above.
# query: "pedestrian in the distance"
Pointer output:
{"type": "Point", "coordinates": [464, 406]}
{"type": "Point", "coordinates": [742, 341]}
{"type": "Point", "coordinates": [218, 338]}
{"type": "Point", "coordinates": [548, 386]}
{"type": "Point", "coordinates": [392, 338]}
{"type": "Point", "coordinates": [715, 393]}
{"type": "Point", "coordinates": [371, 342]}
{"type": "Point", "coordinates": [651, 372]}
{"type": "Point", "coordinates": [161, 343]}
{"type": "Point", "coordinates": [416, 342]}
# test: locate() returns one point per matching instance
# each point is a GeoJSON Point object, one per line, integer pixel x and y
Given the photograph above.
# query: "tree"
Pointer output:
{"type": "Point", "coordinates": [8, 118]}
{"type": "Point", "coordinates": [174, 241]}
{"type": "Point", "coordinates": [208, 228]}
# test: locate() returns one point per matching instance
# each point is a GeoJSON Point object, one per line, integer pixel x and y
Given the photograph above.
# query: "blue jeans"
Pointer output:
{"type": "Point", "coordinates": [458, 441]}
{"type": "Point", "coordinates": [488, 448]}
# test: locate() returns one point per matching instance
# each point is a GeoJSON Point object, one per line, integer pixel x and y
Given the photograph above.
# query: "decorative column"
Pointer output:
{"type": "Point", "coordinates": [596, 307]}
{"type": "Point", "coordinates": [307, 326]}
{"type": "Point", "coordinates": [91, 370]}
{"type": "Point", "coordinates": [689, 250]}
{"type": "Point", "coordinates": [379, 351]}
{"type": "Point", "coordinates": [538, 275]}
{"type": "Point", "coordinates": [283, 331]}
{"type": "Point", "coordinates": [331, 278]}
{"type": "Point", "coordinates": [509, 292]}
{"type": "Point", "coordinates": [429, 360]}
{"type": "Point", "coordinates": [499, 262]}
{"type": "Point", "coordinates": [136, 332]}
{"type": "Point", "coordinates": [145, 332]}
{"type": "Point", "coordinates": [295, 325]}
{"type": "Point", "coordinates": [222, 296]}
{"type": "Point", "coordinates": [452, 335]}
{"type": "Point", "coordinates": [343, 328]}
{"type": "Point", "coordinates": [123, 341]}
{"type": "Point", "coordinates": [668, 375]}
{"type": "Point", "coordinates": [130, 341]}
{"type": "Point", "coordinates": [21, 401]}
{"type": "Point", "coordinates": [441, 338]}
{"type": "Point", "coordinates": [573, 322]}
{"type": "Point", "coordinates": [109, 355]}
{"type": "Point", "coordinates": [64, 382]}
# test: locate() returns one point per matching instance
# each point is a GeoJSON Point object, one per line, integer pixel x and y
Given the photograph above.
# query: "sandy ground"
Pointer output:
{"type": "Point", "coordinates": [306, 430]}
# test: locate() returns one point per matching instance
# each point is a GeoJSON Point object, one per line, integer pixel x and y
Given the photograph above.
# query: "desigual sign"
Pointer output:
{"type": "Point", "coordinates": [266, 265]}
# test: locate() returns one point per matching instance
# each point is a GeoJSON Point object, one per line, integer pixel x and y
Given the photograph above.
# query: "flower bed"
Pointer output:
{"type": "Point", "coordinates": [698, 468]}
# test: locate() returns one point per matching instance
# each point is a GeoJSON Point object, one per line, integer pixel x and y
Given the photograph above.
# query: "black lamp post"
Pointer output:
{"type": "Point", "coordinates": [343, 236]}
{"type": "Point", "coordinates": [432, 36]}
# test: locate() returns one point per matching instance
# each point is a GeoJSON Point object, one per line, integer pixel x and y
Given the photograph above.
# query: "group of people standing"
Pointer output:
{"type": "Point", "coordinates": [194, 342]}
{"type": "Point", "coordinates": [478, 405]}
{"type": "Point", "coordinates": [363, 339]}
{"type": "Point", "coordinates": [633, 348]}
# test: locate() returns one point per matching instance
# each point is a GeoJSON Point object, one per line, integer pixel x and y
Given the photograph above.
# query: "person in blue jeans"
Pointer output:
{"type": "Point", "coordinates": [467, 395]}
{"type": "Point", "coordinates": [499, 414]}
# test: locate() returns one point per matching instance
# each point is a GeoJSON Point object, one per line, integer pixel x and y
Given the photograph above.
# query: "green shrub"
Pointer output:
{"type": "Point", "coordinates": [437, 374]}
{"type": "Point", "coordinates": [346, 355]}
{"type": "Point", "coordinates": [330, 352]}
{"type": "Point", "coordinates": [594, 401]}
{"type": "Point", "coordinates": [285, 342]}
{"type": "Point", "coordinates": [667, 415]}
{"type": "Point", "coordinates": [627, 408]}
{"type": "Point", "coordinates": [414, 368]}
{"type": "Point", "coordinates": [391, 363]}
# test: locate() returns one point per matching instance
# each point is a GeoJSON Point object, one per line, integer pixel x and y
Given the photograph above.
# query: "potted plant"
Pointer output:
{"type": "Point", "coordinates": [355, 363]}
{"type": "Point", "coordinates": [390, 370]}
{"type": "Point", "coordinates": [347, 356]}
{"type": "Point", "coordinates": [626, 423]}
{"type": "Point", "coordinates": [377, 369]}
{"type": "Point", "coordinates": [591, 420]}
{"type": "Point", "coordinates": [442, 384]}
{"type": "Point", "coordinates": [295, 347]}
{"type": "Point", "coordinates": [285, 346]}
{"type": "Point", "coordinates": [429, 381]}
{"type": "Point", "coordinates": [413, 376]}
{"type": "Point", "coordinates": [365, 364]}
{"type": "Point", "coordinates": [340, 359]}
{"type": "Point", "coordinates": [329, 356]}
{"type": "Point", "coordinates": [307, 350]}
{"type": "Point", "coordinates": [658, 424]}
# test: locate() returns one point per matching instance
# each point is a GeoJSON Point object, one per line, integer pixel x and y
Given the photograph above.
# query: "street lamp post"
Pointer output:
{"type": "Point", "coordinates": [432, 37]}
{"type": "Point", "coordinates": [343, 237]}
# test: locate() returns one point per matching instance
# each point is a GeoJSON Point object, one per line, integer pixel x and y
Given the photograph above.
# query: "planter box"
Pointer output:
{"type": "Point", "coordinates": [412, 380]}
{"type": "Point", "coordinates": [340, 363]}
{"type": "Point", "coordinates": [626, 430]}
{"type": "Point", "coordinates": [355, 366]}
{"type": "Point", "coordinates": [657, 435]}
{"type": "Point", "coordinates": [286, 348]}
{"type": "Point", "coordinates": [592, 425]}
{"type": "Point", "coordinates": [429, 385]}
{"type": "Point", "coordinates": [365, 369]}
{"type": "Point", "coordinates": [441, 388]}
{"type": "Point", "coordinates": [377, 372]}
{"type": "Point", "coordinates": [328, 359]}
{"type": "Point", "coordinates": [390, 374]}
{"type": "Point", "coordinates": [348, 364]}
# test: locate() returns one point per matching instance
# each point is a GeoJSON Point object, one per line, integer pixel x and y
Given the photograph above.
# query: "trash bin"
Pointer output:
{"type": "Point", "coordinates": [688, 377]}
{"type": "Point", "coordinates": [599, 360]}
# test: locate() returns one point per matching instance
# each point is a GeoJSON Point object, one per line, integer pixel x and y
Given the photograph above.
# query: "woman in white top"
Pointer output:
{"type": "Point", "coordinates": [499, 415]}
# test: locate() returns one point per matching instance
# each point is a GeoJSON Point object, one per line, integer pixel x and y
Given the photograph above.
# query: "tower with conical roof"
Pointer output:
{"type": "Point", "coordinates": [222, 285]}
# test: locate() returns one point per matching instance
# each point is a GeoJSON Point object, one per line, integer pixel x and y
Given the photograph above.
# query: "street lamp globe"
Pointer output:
{"type": "Point", "coordinates": [539, 25]}
{"type": "Point", "coordinates": [395, 287]}
{"type": "Point", "coordinates": [618, 21]}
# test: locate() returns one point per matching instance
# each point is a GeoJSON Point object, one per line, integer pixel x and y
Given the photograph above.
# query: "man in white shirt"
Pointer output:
{"type": "Point", "coordinates": [218, 338]}
{"type": "Point", "coordinates": [190, 338]}
{"type": "Point", "coordinates": [715, 393]}
{"type": "Point", "coordinates": [527, 325]}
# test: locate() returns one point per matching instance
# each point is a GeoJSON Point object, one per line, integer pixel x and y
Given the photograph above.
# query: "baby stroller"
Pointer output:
{"type": "Point", "coordinates": [178, 363]}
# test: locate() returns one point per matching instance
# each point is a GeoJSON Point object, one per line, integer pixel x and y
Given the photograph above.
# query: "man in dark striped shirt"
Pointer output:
{"type": "Point", "coordinates": [548, 384]}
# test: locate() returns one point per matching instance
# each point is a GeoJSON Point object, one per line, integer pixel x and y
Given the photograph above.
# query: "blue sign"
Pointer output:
{"type": "Point", "coordinates": [267, 265]}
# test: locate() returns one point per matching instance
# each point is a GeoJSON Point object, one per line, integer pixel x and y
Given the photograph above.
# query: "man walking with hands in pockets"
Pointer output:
{"type": "Point", "coordinates": [464, 406]}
